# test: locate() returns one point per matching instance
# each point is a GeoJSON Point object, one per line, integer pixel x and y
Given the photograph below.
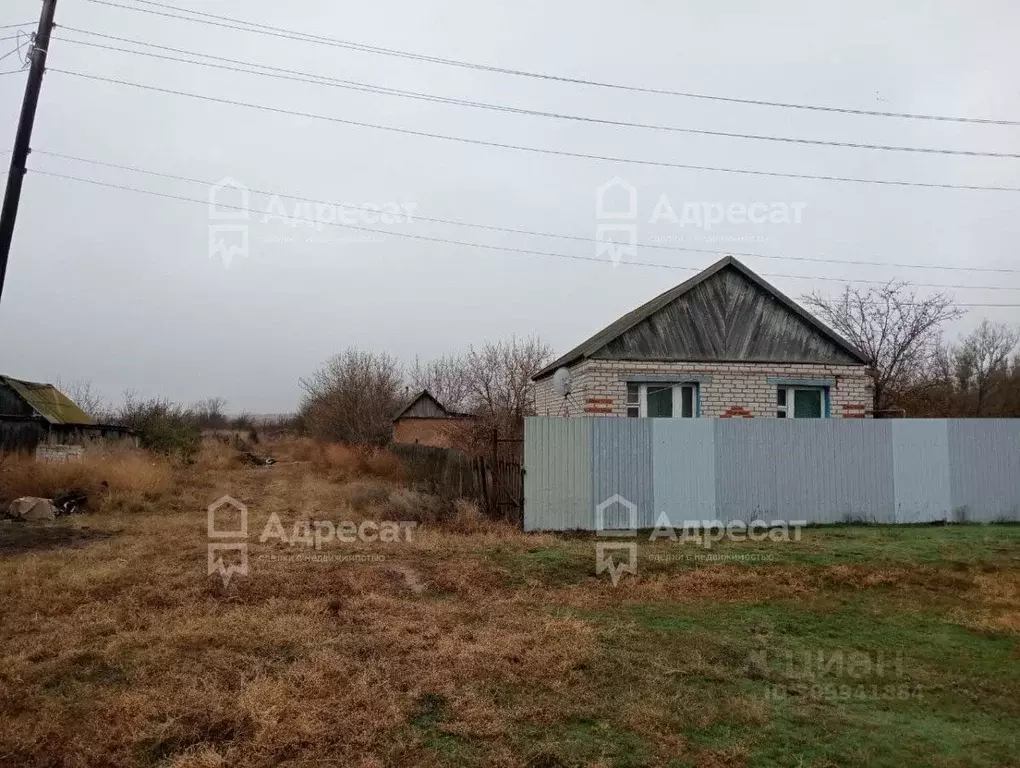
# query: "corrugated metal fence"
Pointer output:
{"type": "Point", "coordinates": [820, 471]}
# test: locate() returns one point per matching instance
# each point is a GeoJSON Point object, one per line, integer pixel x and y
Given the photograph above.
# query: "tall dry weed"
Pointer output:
{"type": "Point", "coordinates": [106, 475]}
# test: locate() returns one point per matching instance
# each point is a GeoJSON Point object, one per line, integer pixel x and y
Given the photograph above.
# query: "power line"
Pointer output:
{"type": "Point", "coordinates": [536, 150]}
{"type": "Point", "coordinates": [316, 79]}
{"type": "Point", "coordinates": [22, 24]}
{"type": "Point", "coordinates": [265, 29]}
{"type": "Point", "coordinates": [530, 232]}
{"type": "Point", "coordinates": [448, 241]}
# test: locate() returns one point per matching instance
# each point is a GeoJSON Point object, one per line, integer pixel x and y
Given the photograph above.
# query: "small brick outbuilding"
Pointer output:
{"type": "Point", "coordinates": [426, 421]}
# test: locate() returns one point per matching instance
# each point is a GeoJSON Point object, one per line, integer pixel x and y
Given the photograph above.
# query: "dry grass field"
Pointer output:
{"type": "Point", "coordinates": [476, 644]}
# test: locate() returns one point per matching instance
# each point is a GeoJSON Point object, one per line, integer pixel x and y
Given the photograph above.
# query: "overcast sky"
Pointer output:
{"type": "Point", "coordinates": [119, 288]}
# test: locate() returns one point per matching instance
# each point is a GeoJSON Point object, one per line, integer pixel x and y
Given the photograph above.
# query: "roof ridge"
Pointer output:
{"type": "Point", "coordinates": [629, 320]}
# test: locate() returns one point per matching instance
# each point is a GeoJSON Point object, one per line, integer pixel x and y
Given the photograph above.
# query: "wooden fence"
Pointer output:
{"type": "Point", "coordinates": [497, 485]}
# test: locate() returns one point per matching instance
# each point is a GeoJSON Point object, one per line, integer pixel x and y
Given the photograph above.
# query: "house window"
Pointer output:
{"type": "Point", "coordinates": [802, 402]}
{"type": "Point", "coordinates": [662, 401]}
{"type": "Point", "coordinates": [633, 400]}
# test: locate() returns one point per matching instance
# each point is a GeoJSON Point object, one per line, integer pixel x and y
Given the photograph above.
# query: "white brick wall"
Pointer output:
{"type": "Point", "coordinates": [727, 389]}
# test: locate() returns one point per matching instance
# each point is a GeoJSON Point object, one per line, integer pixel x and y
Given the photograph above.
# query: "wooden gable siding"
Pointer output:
{"type": "Point", "coordinates": [726, 317]}
{"type": "Point", "coordinates": [12, 404]}
{"type": "Point", "coordinates": [425, 408]}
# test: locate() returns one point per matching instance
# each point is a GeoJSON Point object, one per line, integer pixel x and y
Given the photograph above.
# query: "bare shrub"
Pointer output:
{"type": "Point", "coordinates": [209, 413]}
{"type": "Point", "coordinates": [352, 398]}
{"type": "Point", "coordinates": [492, 383]}
{"type": "Point", "coordinates": [981, 366]}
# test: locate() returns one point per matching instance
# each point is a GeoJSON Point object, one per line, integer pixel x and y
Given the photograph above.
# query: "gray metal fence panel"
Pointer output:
{"type": "Point", "coordinates": [823, 471]}
{"type": "Point", "coordinates": [984, 469]}
{"type": "Point", "coordinates": [622, 456]}
{"type": "Point", "coordinates": [920, 449]}
{"type": "Point", "coordinates": [820, 471]}
{"type": "Point", "coordinates": [558, 474]}
{"type": "Point", "coordinates": [683, 469]}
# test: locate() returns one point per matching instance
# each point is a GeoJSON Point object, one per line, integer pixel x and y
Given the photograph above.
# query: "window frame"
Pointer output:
{"type": "Point", "coordinates": [639, 389]}
{"type": "Point", "coordinates": [788, 408]}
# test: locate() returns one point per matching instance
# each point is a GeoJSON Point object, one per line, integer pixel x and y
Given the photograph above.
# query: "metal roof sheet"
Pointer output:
{"type": "Point", "coordinates": [49, 402]}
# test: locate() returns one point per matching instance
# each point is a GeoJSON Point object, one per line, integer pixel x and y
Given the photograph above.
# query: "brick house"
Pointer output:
{"type": "Point", "coordinates": [723, 344]}
{"type": "Point", "coordinates": [426, 421]}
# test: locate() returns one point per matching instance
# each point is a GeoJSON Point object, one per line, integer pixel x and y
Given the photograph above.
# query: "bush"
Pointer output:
{"type": "Point", "coordinates": [352, 398]}
{"type": "Point", "coordinates": [163, 426]}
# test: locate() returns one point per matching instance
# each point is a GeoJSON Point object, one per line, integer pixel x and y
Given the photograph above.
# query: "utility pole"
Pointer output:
{"type": "Point", "coordinates": [23, 139]}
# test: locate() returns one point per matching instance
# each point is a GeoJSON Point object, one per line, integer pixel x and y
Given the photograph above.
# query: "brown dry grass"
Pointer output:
{"type": "Point", "coordinates": [111, 477]}
{"type": "Point", "coordinates": [472, 643]}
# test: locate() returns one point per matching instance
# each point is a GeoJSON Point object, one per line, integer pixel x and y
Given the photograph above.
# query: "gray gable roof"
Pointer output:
{"type": "Point", "coordinates": [725, 312]}
{"type": "Point", "coordinates": [423, 404]}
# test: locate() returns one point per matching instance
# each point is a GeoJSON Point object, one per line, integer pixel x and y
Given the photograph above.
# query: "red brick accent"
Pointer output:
{"type": "Point", "coordinates": [736, 410]}
{"type": "Point", "coordinates": [597, 409]}
{"type": "Point", "coordinates": [854, 407]}
{"type": "Point", "coordinates": [600, 401]}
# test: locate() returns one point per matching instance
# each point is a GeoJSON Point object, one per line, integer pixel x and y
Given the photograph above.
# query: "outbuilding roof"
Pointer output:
{"type": "Point", "coordinates": [48, 401]}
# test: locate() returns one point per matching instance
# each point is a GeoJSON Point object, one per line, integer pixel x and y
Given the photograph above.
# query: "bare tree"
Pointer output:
{"type": "Point", "coordinates": [499, 375]}
{"type": "Point", "coordinates": [898, 332]}
{"type": "Point", "coordinates": [353, 397]}
{"type": "Point", "coordinates": [209, 413]}
{"type": "Point", "coordinates": [86, 397]}
{"type": "Point", "coordinates": [446, 378]}
{"type": "Point", "coordinates": [501, 392]}
{"type": "Point", "coordinates": [982, 362]}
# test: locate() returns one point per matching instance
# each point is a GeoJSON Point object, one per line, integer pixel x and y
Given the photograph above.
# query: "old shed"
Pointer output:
{"type": "Point", "coordinates": [33, 413]}
{"type": "Point", "coordinates": [426, 421]}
